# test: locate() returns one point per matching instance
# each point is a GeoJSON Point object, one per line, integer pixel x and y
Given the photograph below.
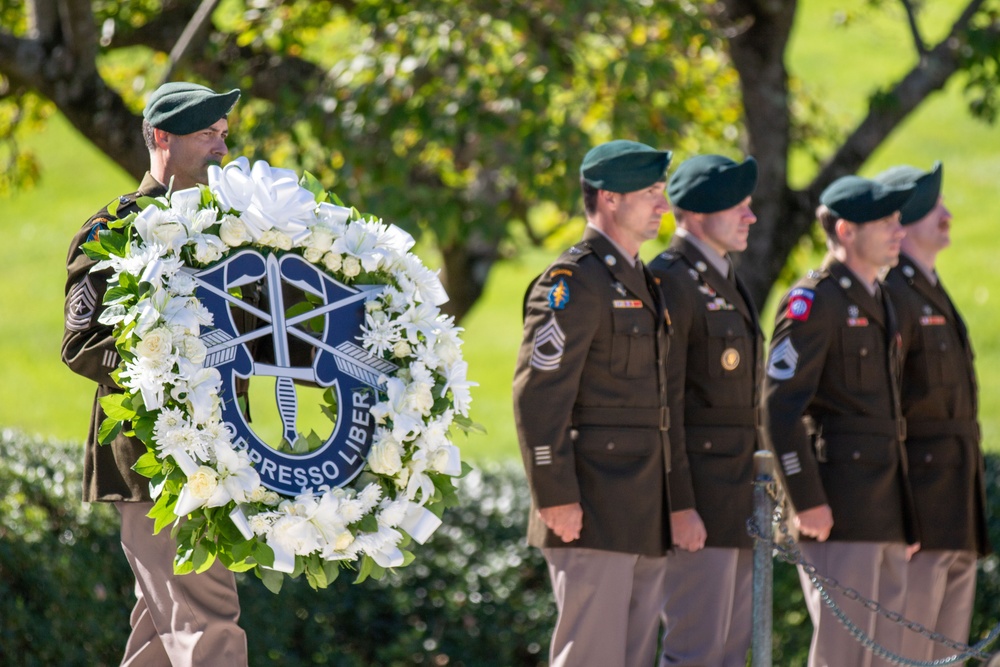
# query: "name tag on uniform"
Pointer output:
{"type": "Point", "coordinates": [627, 303]}
{"type": "Point", "coordinates": [932, 321]}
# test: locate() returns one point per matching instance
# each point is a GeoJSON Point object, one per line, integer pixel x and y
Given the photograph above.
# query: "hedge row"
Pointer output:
{"type": "Point", "coordinates": [476, 596]}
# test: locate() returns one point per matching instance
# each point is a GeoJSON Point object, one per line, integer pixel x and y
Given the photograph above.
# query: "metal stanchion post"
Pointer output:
{"type": "Point", "coordinates": [763, 566]}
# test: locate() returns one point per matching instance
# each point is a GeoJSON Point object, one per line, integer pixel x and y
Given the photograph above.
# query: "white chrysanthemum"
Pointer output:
{"type": "Point", "coordinates": [378, 335]}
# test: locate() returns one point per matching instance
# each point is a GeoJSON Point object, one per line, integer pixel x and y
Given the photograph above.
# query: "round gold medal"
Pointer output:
{"type": "Point", "coordinates": [730, 358]}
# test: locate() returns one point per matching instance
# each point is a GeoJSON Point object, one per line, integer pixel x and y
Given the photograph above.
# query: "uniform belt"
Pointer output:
{"type": "Point", "coordinates": [624, 416]}
{"type": "Point", "coordinates": [722, 417]}
{"type": "Point", "coordinates": [892, 428]}
{"type": "Point", "coordinates": [942, 428]}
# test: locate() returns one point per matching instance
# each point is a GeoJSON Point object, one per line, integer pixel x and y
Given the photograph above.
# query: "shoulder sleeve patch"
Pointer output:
{"type": "Point", "coordinates": [100, 224]}
{"type": "Point", "coordinates": [559, 295]}
{"type": "Point", "coordinates": [800, 302]}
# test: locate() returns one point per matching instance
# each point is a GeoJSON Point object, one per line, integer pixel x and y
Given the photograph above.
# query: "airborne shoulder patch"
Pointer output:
{"type": "Point", "coordinates": [800, 302]}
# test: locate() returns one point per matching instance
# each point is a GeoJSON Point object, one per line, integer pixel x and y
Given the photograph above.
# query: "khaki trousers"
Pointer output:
{"type": "Point", "coordinates": [876, 570]}
{"type": "Point", "coordinates": [609, 607]}
{"type": "Point", "coordinates": [708, 615]}
{"type": "Point", "coordinates": [940, 592]}
{"type": "Point", "coordinates": [178, 620]}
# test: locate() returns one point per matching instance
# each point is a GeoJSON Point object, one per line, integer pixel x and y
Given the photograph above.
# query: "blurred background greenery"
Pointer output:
{"type": "Point", "coordinates": [840, 51]}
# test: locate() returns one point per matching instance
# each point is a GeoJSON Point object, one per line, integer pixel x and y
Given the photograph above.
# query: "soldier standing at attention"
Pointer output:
{"type": "Point", "coordinates": [714, 371]}
{"type": "Point", "coordinates": [177, 620]}
{"type": "Point", "coordinates": [832, 415]}
{"type": "Point", "coordinates": [939, 399]}
{"type": "Point", "coordinates": [591, 412]}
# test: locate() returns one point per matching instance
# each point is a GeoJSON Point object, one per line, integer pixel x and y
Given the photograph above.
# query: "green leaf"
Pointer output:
{"type": "Point", "coordinates": [110, 428]}
{"type": "Point", "coordinates": [332, 570]}
{"type": "Point", "coordinates": [367, 564]}
{"type": "Point", "coordinates": [143, 202]}
{"type": "Point", "coordinates": [368, 524]}
{"type": "Point", "coordinates": [143, 427]}
{"type": "Point", "coordinates": [312, 184]}
{"type": "Point", "coordinates": [330, 414]}
{"type": "Point", "coordinates": [147, 465]}
{"type": "Point", "coordinates": [315, 573]}
{"type": "Point", "coordinates": [272, 579]}
{"type": "Point", "coordinates": [468, 425]}
{"type": "Point", "coordinates": [163, 513]}
{"type": "Point", "coordinates": [95, 250]}
{"type": "Point", "coordinates": [117, 406]}
{"type": "Point", "coordinates": [204, 556]}
{"type": "Point", "coordinates": [263, 554]}
{"type": "Point", "coordinates": [115, 242]}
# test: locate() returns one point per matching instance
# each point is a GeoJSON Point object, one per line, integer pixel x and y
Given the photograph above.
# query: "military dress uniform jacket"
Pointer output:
{"type": "Point", "coordinates": [590, 400]}
{"type": "Point", "coordinates": [831, 406]}
{"type": "Point", "coordinates": [88, 348]}
{"type": "Point", "coordinates": [940, 397]}
{"type": "Point", "coordinates": [714, 372]}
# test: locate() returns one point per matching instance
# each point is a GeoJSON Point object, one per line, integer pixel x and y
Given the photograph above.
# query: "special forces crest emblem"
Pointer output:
{"type": "Point", "coordinates": [335, 313]}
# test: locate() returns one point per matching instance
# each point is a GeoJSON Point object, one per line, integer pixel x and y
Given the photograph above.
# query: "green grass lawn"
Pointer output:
{"type": "Point", "coordinates": [842, 65]}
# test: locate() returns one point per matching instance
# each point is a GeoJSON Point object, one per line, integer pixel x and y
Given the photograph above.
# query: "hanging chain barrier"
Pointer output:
{"type": "Point", "coordinates": [787, 550]}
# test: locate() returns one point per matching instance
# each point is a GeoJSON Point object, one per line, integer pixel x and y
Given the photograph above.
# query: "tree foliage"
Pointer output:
{"type": "Point", "coordinates": [466, 120]}
{"type": "Point", "coordinates": [451, 118]}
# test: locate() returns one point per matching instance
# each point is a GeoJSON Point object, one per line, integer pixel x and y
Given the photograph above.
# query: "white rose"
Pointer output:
{"type": "Point", "coordinates": [156, 345]}
{"type": "Point", "coordinates": [169, 234]}
{"type": "Point", "coordinates": [385, 457]}
{"type": "Point", "coordinates": [257, 494]}
{"type": "Point", "coordinates": [233, 231]}
{"type": "Point", "coordinates": [203, 482]}
{"type": "Point", "coordinates": [192, 349]}
{"type": "Point", "coordinates": [208, 249]}
{"type": "Point", "coordinates": [343, 540]}
{"type": "Point", "coordinates": [419, 397]}
{"type": "Point", "coordinates": [320, 240]}
{"type": "Point", "coordinates": [352, 266]}
{"type": "Point", "coordinates": [313, 255]}
{"type": "Point", "coordinates": [373, 305]}
{"type": "Point", "coordinates": [271, 498]}
{"type": "Point", "coordinates": [401, 349]}
{"type": "Point", "coordinates": [332, 262]}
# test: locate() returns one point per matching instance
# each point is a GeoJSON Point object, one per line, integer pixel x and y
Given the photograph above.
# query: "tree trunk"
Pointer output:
{"type": "Point", "coordinates": [464, 272]}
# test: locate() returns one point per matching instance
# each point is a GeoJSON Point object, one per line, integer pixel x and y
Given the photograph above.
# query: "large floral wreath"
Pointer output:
{"type": "Point", "coordinates": [205, 486]}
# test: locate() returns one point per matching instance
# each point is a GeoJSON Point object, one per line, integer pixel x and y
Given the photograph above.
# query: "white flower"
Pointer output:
{"type": "Point", "coordinates": [192, 349]}
{"type": "Point", "coordinates": [401, 349]}
{"type": "Point", "coordinates": [455, 380]}
{"type": "Point", "coordinates": [370, 496]}
{"type": "Point", "coordinates": [378, 334]}
{"type": "Point", "coordinates": [232, 185]}
{"type": "Point", "coordinates": [313, 255]}
{"type": "Point", "coordinates": [392, 512]}
{"type": "Point", "coordinates": [351, 266]}
{"type": "Point", "coordinates": [332, 262]}
{"type": "Point", "coordinates": [424, 282]}
{"type": "Point", "coordinates": [198, 388]}
{"type": "Point", "coordinates": [257, 494]}
{"type": "Point", "coordinates": [261, 523]}
{"type": "Point", "coordinates": [359, 242]}
{"type": "Point", "coordinates": [320, 240]}
{"type": "Point", "coordinates": [295, 534]}
{"type": "Point", "coordinates": [405, 420]}
{"type": "Point", "coordinates": [208, 248]}
{"type": "Point", "coordinates": [275, 239]}
{"type": "Point", "coordinates": [203, 482]}
{"type": "Point", "coordinates": [233, 231]}
{"type": "Point", "coordinates": [385, 457]}
{"type": "Point", "coordinates": [161, 227]}
{"type": "Point", "coordinates": [156, 345]}
{"type": "Point", "coordinates": [182, 283]}
{"type": "Point", "coordinates": [237, 477]}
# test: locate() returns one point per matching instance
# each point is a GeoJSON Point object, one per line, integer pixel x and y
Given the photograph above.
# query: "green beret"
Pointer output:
{"type": "Point", "coordinates": [860, 200]}
{"type": "Point", "coordinates": [925, 196]}
{"type": "Point", "coordinates": [624, 166]}
{"type": "Point", "coordinates": [710, 183]}
{"type": "Point", "coordinates": [182, 108]}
